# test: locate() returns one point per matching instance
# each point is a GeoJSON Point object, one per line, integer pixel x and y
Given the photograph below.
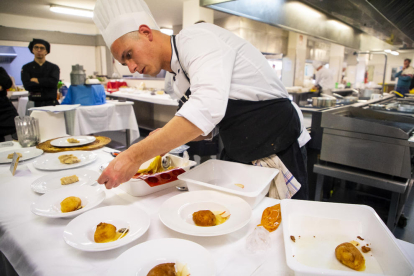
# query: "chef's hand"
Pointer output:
{"type": "Point", "coordinates": [34, 80]}
{"type": "Point", "coordinates": [1, 88]}
{"type": "Point", "coordinates": [120, 170]}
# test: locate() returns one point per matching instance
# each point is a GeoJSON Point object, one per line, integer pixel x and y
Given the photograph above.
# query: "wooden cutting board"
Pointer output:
{"type": "Point", "coordinates": [100, 142]}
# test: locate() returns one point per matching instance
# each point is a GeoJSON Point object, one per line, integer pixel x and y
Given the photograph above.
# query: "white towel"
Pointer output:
{"type": "Point", "coordinates": [284, 185]}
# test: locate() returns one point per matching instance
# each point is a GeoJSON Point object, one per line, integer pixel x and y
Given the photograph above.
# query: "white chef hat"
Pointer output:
{"type": "Point", "coordinates": [114, 18]}
{"type": "Point", "coordinates": [316, 64]}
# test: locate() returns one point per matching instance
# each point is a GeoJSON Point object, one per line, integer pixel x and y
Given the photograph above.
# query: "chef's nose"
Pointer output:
{"type": "Point", "coordinates": [132, 66]}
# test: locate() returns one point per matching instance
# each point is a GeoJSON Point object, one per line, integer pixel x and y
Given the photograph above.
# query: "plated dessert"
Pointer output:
{"type": "Point", "coordinates": [210, 218]}
{"type": "Point", "coordinates": [169, 269]}
{"type": "Point", "coordinates": [106, 232]}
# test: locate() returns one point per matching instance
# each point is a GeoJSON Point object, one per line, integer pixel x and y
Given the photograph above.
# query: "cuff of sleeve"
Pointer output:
{"type": "Point", "coordinates": [197, 117]}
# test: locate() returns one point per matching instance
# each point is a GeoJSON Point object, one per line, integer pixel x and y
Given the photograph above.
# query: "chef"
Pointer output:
{"type": "Point", "coordinates": [222, 81]}
{"type": "Point", "coordinates": [40, 77]}
{"type": "Point", "coordinates": [324, 82]}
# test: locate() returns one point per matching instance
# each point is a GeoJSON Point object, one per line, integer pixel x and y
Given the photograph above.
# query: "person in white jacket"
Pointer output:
{"type": "Point", "coordinates": [222, 80]}
{"type": "Point", "coordinates": [324, 81]}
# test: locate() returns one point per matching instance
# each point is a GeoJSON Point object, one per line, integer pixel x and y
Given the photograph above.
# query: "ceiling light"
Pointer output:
{"type": "Point", "coordinates": [167, 31]}
{"type": "Point", "coordinates": [388, 51]}
{"type": "Point", "coordinates": [395, 53]}
{"type": "Point", "coordinates": [71, 11]}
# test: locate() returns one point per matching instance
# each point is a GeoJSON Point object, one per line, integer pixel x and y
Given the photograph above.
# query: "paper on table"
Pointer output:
{"type": "Point", "coordinates": [56, 108]}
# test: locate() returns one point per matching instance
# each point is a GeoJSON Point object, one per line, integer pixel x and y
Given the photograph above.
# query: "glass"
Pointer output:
{"type": "Point", "coordinates": [27, 129]}
{"type": "Point", "coordinates": [39, 48]}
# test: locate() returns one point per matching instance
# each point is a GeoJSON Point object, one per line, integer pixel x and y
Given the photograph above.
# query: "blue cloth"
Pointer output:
{"type": "Point", "coordinates": [85, 95]}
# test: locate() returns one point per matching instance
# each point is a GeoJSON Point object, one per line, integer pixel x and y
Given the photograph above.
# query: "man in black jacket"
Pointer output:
{"type": "Point", "coordinates": [40, 77]}
{"type": "Point", "coordinates": [7, 109]}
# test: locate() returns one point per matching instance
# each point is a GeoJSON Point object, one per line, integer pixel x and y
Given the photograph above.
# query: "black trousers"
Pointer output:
{"type": "Point", "coordinates": [295, 159]}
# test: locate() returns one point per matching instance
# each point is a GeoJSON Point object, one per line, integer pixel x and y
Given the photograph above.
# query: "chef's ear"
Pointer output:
{"type": "Point", "coordinates": [146, 31]}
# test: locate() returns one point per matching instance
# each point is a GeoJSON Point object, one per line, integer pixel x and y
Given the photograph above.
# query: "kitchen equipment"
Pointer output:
{"type": "Point", "coordinates": [223, 176]}
{"type": "Point", "coordinates": [323, 102]}
{"type": "Point", "coordinates": [405, 108]}
{"type": "Point", "coordinates": [78, 75]}
{"type": "Point", "coordinates": [349, 100]}
{"type": "Point", "coordinates": [138, 187]}
{"type": "Point", "coordinates": [27, 129]}
{"type": "Point", "coordinates": [367, 92]}
{"type": "Point", "coordinates": [377, 106]}
{"type": "Point", "coordinates": [319, 227]}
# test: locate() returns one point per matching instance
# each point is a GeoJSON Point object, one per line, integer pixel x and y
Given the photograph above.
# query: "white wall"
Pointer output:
{"type": "Point", "coordinates": [378, 62]}
{"type": "Point", "coordinates": [35, 23]}
{"type": "Point", "coordinates": [65, 56]}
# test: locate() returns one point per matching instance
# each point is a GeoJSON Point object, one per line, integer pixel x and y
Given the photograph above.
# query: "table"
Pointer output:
{"type": "Point", "coordinates": [85, 95]}
{"type": "Point", "coordinates": [111, 116]}
{"type": "Point", "coordinates": [42, 250]}
{"type": "Point", "coordinates": [152, 111]}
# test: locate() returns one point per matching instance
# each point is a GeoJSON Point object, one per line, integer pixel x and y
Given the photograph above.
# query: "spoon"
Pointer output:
{"type": "Point", "coordinates": [166, 162]}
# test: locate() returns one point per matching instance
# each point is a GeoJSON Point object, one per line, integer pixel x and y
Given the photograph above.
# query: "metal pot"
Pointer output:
{"type": "Point", "coordinates": [406, 108]}
{"type": "Point", "coordinates": [323, 102]}
{"type": "Point", "coordinates": [366, 93]}
{"type": "Point", "coordinates": [349, 100]}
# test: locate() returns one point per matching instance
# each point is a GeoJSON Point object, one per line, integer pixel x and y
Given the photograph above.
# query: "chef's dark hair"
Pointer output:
{"type": "Point", "coordinates": [39, 41]}
{"type": "Point", "coordinates": [409, 60]}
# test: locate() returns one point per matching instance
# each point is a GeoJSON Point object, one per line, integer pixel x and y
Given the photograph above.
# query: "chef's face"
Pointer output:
{"type": "Point", "coordinates": [138, 51]}
{"type": "Point", "coordinates": [39, 50]}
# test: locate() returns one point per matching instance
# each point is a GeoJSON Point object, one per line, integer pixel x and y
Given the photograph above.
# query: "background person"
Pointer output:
{"type": "Point", "coordinates": [405, 77]}
{"type": "Point", "coordinates": [324, 82]}
{"type": "Point", "coordinates": [7, 110]}
{"type": "Point", "coordinates": [40, 77]}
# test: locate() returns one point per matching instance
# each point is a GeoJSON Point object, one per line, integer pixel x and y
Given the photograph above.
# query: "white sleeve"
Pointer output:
{"type": "Point", "coordinates": [209, 63]}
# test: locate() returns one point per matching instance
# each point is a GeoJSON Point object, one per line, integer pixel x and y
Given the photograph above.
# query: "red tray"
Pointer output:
{"type": "Point", "coordinates": [157, 179]}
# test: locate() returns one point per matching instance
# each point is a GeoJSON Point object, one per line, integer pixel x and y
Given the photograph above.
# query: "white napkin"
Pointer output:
{"type": "Point", "coordinates": [56, 108]}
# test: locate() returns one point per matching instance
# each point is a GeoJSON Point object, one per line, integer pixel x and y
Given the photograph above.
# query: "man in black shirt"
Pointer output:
{"type": "Point", "coordinates": [41, 77]}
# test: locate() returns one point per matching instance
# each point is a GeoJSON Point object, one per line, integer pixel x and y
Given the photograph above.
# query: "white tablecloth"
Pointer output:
{"type": "Point", "coordinates": [111, 116]}
{"type": "Point", "coordinates": [146, 97]}
{"type": "Point", "coordinates": [34, 245]}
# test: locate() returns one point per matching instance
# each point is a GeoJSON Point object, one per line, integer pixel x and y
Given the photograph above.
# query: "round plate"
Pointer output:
{"type": "Point", "coordinates": [51, 161]}
{"type": "Point", "coordinates": [51, 181]}
{"type": "Point", "coordinates": [140, 259]}
{"type": "Point", "coordinates": [62, 142]}
{"type": "Point", "coordinates": [177, 212]}
{"type": "Point", "coordinates": [27, 153]}
{"type": "Point", "coordinates": [48, 205]}
{"type": "Point", "coordinates": [80, 231]}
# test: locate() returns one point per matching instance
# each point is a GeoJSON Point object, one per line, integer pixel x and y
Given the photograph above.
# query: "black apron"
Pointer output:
{"type": "Point", "coordinates": [251, 130]}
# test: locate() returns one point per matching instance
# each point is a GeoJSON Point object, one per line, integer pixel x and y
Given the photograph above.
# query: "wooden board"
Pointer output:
{"type": "Point", "coordinates": [100, 142]}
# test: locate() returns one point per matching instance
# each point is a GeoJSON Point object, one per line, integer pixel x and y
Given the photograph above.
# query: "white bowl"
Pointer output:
{"type": "Point", "coordinates": [323, 226]}
{"type": "Point", "coordinates": [223, 175]}
{"type": "Point", "coordinates": [138, 187]}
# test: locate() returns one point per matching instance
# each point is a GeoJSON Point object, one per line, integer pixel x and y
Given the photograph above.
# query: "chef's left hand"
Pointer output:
{"type": "Point", "coordinates": [120, 170]}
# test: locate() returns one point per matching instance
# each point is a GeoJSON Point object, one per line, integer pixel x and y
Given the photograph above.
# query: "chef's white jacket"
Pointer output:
{"type": "Point", "coordinates": [324, 78]}
{"type": "Point", "coordinates": [221, 66]}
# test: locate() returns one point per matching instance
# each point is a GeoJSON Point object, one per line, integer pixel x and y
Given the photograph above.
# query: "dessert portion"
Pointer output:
{"type": "Point", "coordinates": [68, 159]}
{"type": "Point", "coordinates": [69, 180]}
{"type": "Point", "coordinates": [169, 269]}
{"type": "Point", "coordinates": [73, 140]}
{"type": "Point", "coordinates": [10, 156]}
{"type": "Point", "coordinates": [348, 255]}
{"type": "Point", "coordinates": [106, 232]}
{"type": "Point", "coordinates": [207, 218]}
{"type": "Point", "coordinates": [70, 204]}
{"type": "Point", "coordinates": [271, 218]}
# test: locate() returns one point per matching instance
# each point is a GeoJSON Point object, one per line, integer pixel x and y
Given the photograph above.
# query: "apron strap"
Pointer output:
{"type": "Point", "coordinates": [187, 94]}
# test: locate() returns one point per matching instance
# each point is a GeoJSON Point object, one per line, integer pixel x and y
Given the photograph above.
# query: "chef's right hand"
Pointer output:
{"type": "Point", "coordinates": [120, 170]}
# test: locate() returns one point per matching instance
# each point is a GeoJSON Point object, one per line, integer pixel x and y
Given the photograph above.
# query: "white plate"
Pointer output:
{"type": "Point", "coordinates": [140, 259]}
{"type": "Point", "coordinates": [83, 140]}
{"type": "Point", "coordinates": [177, 212]}
{"type": "Point", "coordinates": [322, 226]}
{"type": "Point", "coordinates": [80, 231]}
{"type": "Point", "coordinates": [51, 181]}
{"type": "Point", "coordinates": [48, 205]}
{"type": "Point", "coordinates": [28, 153]}
{"type": "Point", "coordinates": [51, 161]}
